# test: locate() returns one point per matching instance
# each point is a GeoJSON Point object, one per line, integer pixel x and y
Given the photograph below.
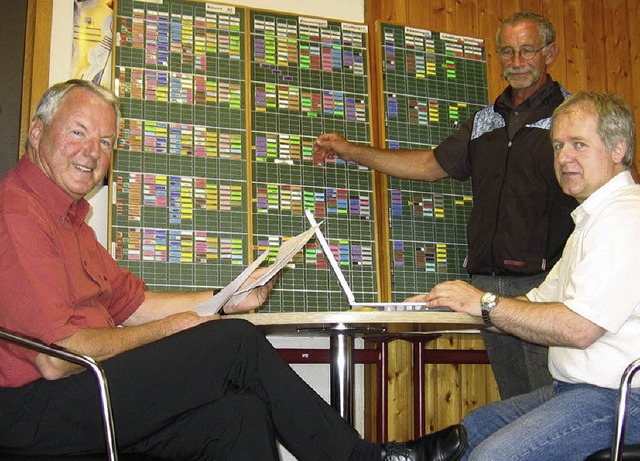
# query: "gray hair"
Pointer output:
{"type": "Point", "coordinates": [546, 31]}
{"type": "Point", "coordinates": [51, 100]}
{"type": "Point", "coordinates": [614, 119]}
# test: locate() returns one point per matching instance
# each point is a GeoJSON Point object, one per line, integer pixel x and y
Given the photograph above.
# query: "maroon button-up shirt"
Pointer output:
{"type": "Point", "coordinates": [55, 277]}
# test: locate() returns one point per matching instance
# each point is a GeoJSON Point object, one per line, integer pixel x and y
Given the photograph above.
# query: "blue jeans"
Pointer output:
{"type": "Point", "coordinates": [561, 422]}
{"type": "Point", "coordinates": [519, 366]}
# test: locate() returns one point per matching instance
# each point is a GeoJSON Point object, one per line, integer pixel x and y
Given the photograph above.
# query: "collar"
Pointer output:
{"type": "Point", "coordinates": [535, 100]}
{"type": "Point", "coordinates": [595, 200]}
{"type": "Point", "coordinates": [60, 204]}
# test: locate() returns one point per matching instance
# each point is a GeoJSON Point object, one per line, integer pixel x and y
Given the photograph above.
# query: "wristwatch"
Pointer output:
{"type": "Point", "coordinates": [487, 303]}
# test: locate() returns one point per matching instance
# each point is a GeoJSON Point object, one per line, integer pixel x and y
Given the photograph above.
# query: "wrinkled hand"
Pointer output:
{"type": "Point", "coordinates": [257, 296]}
{"type": "Point", "coordinates": [457, 295]}
{"type": "Point", "coordinates": [332, 145]}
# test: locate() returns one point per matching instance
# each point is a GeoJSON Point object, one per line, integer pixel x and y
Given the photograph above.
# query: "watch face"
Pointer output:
{"type": "Point", "coordinates": [487, 303]}
{"type": "Point", "coordinates": [488, 298]}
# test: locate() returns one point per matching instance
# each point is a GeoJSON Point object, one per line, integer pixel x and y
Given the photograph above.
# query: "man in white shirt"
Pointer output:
{"type": "Point", "coordinates": [587, 310]}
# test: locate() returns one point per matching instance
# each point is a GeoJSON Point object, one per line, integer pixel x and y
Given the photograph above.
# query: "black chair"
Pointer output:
{"type": "Point", "coordinates": [618, 450]}
{"type": "Point", "coordinates": [105, 400]}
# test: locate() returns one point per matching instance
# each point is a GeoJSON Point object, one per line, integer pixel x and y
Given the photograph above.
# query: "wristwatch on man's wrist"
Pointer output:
{"type": "Point", "coordinates": [487, 303]}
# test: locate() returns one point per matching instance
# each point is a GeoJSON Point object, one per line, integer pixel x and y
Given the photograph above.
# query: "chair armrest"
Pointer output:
{"type": "Point", "coordinates": [625, 385]}
{"type": "Point", "coordinates": [84, 361]}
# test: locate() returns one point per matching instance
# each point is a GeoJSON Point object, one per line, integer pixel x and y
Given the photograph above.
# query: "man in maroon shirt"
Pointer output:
{"type": "Point", "coordinates": [182, 386]}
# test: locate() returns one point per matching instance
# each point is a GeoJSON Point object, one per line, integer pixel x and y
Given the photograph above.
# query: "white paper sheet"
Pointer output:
{"type": "Point", "coordinates": [234, 292]}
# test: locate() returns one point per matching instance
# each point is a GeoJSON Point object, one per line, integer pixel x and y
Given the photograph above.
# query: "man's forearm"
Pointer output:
{"type": "Point", "coordinates": [104, 343]}
{"type": "Point", "coordinates": [402, 163]}
{"type": "Point", "coordinates": [550, 324]}
{"type": "Point", "coordinates": [161, 304]}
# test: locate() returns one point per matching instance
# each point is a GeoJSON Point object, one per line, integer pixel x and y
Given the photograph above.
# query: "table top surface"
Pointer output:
{"type": "Point", "coordinates": [361, 323]}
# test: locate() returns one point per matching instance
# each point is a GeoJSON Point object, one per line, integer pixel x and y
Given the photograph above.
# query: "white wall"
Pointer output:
{"type": "Point", "coordinates": [60, 68]}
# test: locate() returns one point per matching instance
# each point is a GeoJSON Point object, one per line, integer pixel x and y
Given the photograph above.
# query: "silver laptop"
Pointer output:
{"type": "Point", "coordinates": [383, 306]}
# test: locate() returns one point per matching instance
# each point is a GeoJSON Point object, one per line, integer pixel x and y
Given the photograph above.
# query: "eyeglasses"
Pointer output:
{"type": "Point", "coordinates": [526, 52]}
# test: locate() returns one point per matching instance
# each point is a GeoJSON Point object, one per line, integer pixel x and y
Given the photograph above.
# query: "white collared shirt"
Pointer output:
{"type": "Point", "coordinates": [598, 277]}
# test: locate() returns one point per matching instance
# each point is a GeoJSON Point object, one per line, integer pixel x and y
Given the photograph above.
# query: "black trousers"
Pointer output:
{"type": "Point", "coordinates": [218, 391]}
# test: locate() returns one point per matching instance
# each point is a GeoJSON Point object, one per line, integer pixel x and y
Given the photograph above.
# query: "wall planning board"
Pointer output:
{"type": "Point", "coordinates": [432, 82]}
{"type": "Point", "coordinates": [215, 163]}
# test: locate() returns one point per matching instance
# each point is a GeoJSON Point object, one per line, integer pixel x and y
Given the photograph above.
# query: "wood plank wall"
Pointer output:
{"type": "Point", "coordinates": [599, 43]}
{"type": "Point", "coordinates": [599, 49]}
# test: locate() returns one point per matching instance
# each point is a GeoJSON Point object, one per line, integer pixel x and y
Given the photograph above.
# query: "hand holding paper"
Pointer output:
{"type": "Point", "coordinates": [254, 292]}
{"type": "Point", "coordinates": [254, 277]}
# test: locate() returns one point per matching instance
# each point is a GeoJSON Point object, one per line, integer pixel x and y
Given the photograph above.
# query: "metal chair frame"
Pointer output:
{"type": "Point", "coordinates": [621, 418]}
{"type": "Point", "coordinates": [84, 361]}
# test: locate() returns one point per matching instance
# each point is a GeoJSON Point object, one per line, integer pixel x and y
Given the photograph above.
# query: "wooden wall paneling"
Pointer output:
{"type": "Point", "coordinates": [633, 19]}
{"type": "Point", "coordinates": [574, 53]}
{"type": "Point", "coordinates": [449, 393]}
{"type": "Point", "coordinates": [595, 46]}
{"type": "Point", "coordinates": [380, 181]}
{"type": "Point", "coordinates": [477, 394]}
{"type": "Point", "coordinates": [442, 388]}
{"type": "Point", "coordinates": [371, 392]}
{"type": "Point", "coordinates": [41, 52]}
{"type": "Point", "coordinates": [394, 11]}
{"type": "Point", "coordinates": [477, 384]}
{"type": "Point", "coordinates": [449, 386]}
{"type": "Point", "coordinates": [372, 10]}
{"type": "Point", "coordinates": [452, 391]}
{"type": "Point", "coordinates": [466, 18]}
{"type": "Point", "coordinates": [400, 386]}
{"type": "Point", "coordinates": [432, 390]}
{"type": "Point", "coordinates": [472, 394]}
{"type": "Point", "coordinates": [511, 6]}
{"type": "Point", "coordinates": [443, 16]}
{"type": "Point", "coordinates": [436, 387]}
{"type": "Point", "coordinates": [36, 60]}
{"type": "Point", "coordinates": [372, 13]}
{"type": "Point", "coordinates": [535, 6]}
{"type": "Point", "coordinates": [617, 42]}
{"type": "Point", "coordinates": [554, 11]}
{"type": "Point", "coordinates": [420, 14]}
{"type": "Point", "coordinates": [488, 20]}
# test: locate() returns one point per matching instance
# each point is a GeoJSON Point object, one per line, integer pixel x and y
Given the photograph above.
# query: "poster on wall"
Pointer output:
{"type": "Point", "coordinates": [92, 41]}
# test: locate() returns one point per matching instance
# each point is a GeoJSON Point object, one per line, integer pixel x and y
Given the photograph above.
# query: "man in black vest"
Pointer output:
{"type": "Point", "coordinates": [521, 218]}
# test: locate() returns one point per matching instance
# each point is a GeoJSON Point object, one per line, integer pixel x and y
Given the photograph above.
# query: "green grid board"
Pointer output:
{"type": "Point", "coordinates": [178, 185]}
{"type": "Point", "coordinates": [432, 82]}
{"type": "Point", "coordinates": [310, 76]}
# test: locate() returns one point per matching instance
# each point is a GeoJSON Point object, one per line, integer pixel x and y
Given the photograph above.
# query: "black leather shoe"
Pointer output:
{"type": "Point", "coordinates": [446, 445]}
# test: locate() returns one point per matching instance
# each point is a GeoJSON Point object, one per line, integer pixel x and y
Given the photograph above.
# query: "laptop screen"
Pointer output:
{"type": "Point", "coordinates": [335, 267]}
